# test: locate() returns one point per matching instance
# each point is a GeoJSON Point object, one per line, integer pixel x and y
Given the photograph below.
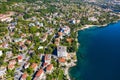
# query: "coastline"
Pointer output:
{"type": "Point", "coordinates": [78, 44]}
{"type": "Point", "coordinates": [89, 26]}
{"type": "Point", "coordinates": [73, 62]}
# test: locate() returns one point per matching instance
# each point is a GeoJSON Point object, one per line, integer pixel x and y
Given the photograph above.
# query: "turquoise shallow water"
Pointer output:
{"type": "Point", "coordinates": [98, 54]}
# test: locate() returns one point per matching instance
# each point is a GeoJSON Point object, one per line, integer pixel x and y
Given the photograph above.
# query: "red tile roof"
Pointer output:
{"type": "Point", "coordinates": [19, 57]}
{"type": "Point", "coordinates": [62, 60]}
{"type": "Point", "coordinates": [11, 66]}
{"type": "Point", "coordinates": [24, 76]}
{"type": "Point", "coordinates": [39, 73]}
{"type": "Point", "coordinates": [12, 62]}
{"type": "Point", "coordinates": [45, 64]}
{"type": "Point", "coordinates": [34, 65]}
{"type": "Point", "coordinates": [49, 67]}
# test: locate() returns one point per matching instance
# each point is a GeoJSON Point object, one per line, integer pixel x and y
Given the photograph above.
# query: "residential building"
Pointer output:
{"type": "Point", "coordinates": [34, 66]}
{"type": "Point", "coordinates": [12, 62]}
{"type": "Point", "coordinates": [62, 61]}
{"type": "Point", "coordinates": [9, 54]}
{"type": "Point", "coordinates": [45, 65]}
{"type": "Point", "coordinates": [26, 65]}
{"type": "Point", "coordinates": [49, 68]}
{"type": "Point", "coordinates": [11, 66]}
{"type": "Point", "coordinates": [57, 41]}
{"type": "Point", "coordinates": [62, 51]}
{"type": "Point", "coordinates": [60, 34]}
{"type": "Point", "coordinates": [92, 19]}
{"type": "Point", "coordinates": [4, 18]}
{"type": "Point", "coordinates": [65, 30]}
{"type": "Point", "coordinates": [24, 76]}
{"type": "Point", "coordinates": [5, 45]}
{"type": "Point", "coordinates": [1, 53]}
{"type": "Point", "coordinates": [2, 72]}
{"type": "Point", "coordinates": [47, 58]}
{"type": "Point", "coordinates": [23, 48]}
{"type": "Point", "coordinates": [44, 38]}
{"type": "Point", "coordinates": [39, 74]}
{"type": "Point", "coordinates": [20, 58]}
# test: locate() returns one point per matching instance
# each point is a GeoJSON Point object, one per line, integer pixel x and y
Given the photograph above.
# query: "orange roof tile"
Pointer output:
{"type": "Point", "coordinates": [62, 60]}
{"type": "Point", "coordinates": [69, 40]}
{"type": "Point", "coordinates": [49, 67]}
{"type": "Point", "coordinates": [11, 66]}
{"type": "Point", "coordinates": [45, 64]}
{"type": "Point", "coordinates": [19, 57]}
{"type": "Point", "coordinates": [39, 73]}
{"type": "Point", "coordinates": [12, 62]}
{"type": "Point", "coordinates": [24, 76]}
{"type": "Point", "coordinates": [34, 65]}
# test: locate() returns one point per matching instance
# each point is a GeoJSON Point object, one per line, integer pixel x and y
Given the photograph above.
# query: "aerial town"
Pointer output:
{"type": "Point", "coordinates": [38, 41]}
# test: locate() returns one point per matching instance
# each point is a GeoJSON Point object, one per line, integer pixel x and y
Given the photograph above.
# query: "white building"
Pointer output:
{"type": "Point", "coordinates": [18, 39]}
{"type": "Point", "coordinates": [62, 51]}
{"type": "Point", "coordinates": [92, 19]}
{"type": "Point", "coordinates": [1, 53]}
{"type": "Point", "coordinates": [47, 58]}
{"type": "Point", "coordinates": [66, 30]}
{"type": "Point", "coordinates": [2, 72]}
{"type": "Point", "coordinates": [9, 54]}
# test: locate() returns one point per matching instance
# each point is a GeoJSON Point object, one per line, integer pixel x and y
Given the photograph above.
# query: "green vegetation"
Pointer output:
{"type": "Point", "coordinates": [34, 58]}
{"type": "Point", "coordinates": [29, 78]}
{"type": "Point", "coordinates": [53, 14]}
{"type": "Point", "coordinates": [29, 71]}
{"type": "Point", "coordinates": [10, 73]}
{"type": "Point", "coordinates": [57, 74]}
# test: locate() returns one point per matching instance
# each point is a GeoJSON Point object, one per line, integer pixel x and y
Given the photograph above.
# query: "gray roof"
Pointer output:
{"type": "Point", "coordinates": [61, 51]}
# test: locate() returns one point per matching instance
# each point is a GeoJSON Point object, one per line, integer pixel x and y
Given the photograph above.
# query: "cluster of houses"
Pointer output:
{"type": "Point", "coordinates": [6, 17]}
{"type": "Point", "coordinates": [2, 72]}
{"type": "Point", "coordinates": [39, 70]}
{"type": "Point", "coordinates": [63, 31]}
{"type": "Point", "coordinates": [37, 23]}
{"type": "Point", "coordinates": [47, 67]}
{"type": "Point", "coordinates": [20, 62]}
{"type": "Point", "coordinates": [92, 19]}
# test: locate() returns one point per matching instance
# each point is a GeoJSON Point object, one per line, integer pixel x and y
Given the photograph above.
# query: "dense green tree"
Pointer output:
{"type": "Point", "coordinates": [26, 16]}
{"type": "Point", "coordinates": [29, 70]}
{"type": "Point", "coordinates": [29, 78]}
{"type": "Point", "coordinates": [33, 30]}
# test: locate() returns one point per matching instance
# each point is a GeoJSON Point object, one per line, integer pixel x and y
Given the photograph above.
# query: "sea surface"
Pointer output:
{"type": "Point", "coordinates": [98, 54]}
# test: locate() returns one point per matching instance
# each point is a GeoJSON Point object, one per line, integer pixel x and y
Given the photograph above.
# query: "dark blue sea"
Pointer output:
{"type": "Point", "coordinates": [98, 54]}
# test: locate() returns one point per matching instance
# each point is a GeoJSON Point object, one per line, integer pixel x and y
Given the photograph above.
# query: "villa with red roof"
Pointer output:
{"type": "Point", "coordinates": [12, 62]}
{"type": "Point", "coordinates": [34, 66]}
{"type": "Point", "coordinates": [62, 61]}
{"type": "Point", "coordinates": [39, 74]}
{"type": "Point", "coordinates": [20, 58]}
{"type": "Point", "coordinates": [49, 68]}
{"type": "Point", "coordinates": [24, 76]}
{"type": "Point", "coordinates": [11, 66]}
